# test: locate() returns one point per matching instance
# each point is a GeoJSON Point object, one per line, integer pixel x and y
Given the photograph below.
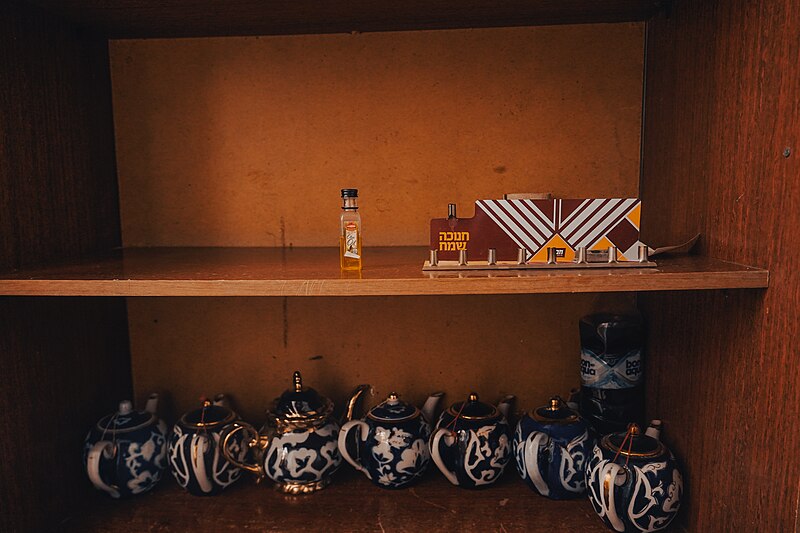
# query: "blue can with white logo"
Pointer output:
{"type": "Point", "coordinates": [612, 371]}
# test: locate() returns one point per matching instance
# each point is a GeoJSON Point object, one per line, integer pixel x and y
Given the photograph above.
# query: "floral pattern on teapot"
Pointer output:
{"type": "Point", "coordinates": [125, 453]}
{"type": "Point", "coordinates": [391, 444]}
{"type": "Point", "coordinates": [551, 447]}
{"type": "Point", "coordinates": [472, 451]}
{"type": "Point", "coordinates": [646, 486]}
{"type": "Point", "coordinates": [303, 456]}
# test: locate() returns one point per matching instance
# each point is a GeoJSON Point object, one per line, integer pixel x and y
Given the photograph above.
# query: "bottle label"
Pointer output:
{"type": "Point", "coordinates": [351, 240]}
{"type": "Point", "coordinates": [604, 372]}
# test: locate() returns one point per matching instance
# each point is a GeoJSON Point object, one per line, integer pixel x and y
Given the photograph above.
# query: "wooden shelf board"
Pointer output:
{"type": "Point", "coordinates": [315, 272]}
{"type": "Point", "coordinates": [202, 18]}
{"type": "Point", "coordinates": [350, 503]}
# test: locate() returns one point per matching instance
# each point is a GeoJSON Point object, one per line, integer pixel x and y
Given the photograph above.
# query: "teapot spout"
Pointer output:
{"type": "Point", "coordinates": [221, 400]}
{"type": "Point", "coordinates": [152, 403]}
{"type": "Point", "coordinates": [505, 405]}
{"type": "Point", "coordinates": [654, 429]}
{"type": "Point", "coordinates": [429, 409]}
{"type": "Point", "coordinates": [351, 405]}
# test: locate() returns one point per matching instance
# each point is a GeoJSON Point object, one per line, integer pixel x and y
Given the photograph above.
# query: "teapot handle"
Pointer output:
{"type": "Point", "coordinates": [532, 446]}
{"type": "Point", "coordinates": [200, 445]}
{"type": "Point", "coordinates": [100, 449]}
{"type": "Point", "coordinates": [437, 456]}
{"type": "Point", "coordinates": [254, 440]}
{"type": "Point", "coordinates": [363, 431]}
{"type": "Point", "coordinates": [608, 478]}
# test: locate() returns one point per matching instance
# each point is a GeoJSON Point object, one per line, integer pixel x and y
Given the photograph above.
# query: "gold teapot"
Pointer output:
{"type": "Point", "coordinates": [298, 446]}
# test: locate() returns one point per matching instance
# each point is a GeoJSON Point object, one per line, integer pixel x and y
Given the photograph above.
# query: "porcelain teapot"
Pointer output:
{"type": "Point", "coordinates": [633, 480]}
{"type": "Point", "coordinates": [125, 453]}
{"type": "Point", "coordinates": [551, 446]}
{"type": "Point", "coordinates": [391, 441]}
{"type": "Point", "coordinates": [298, 447]}
{"type": "Point", "coordinates": [472, 443]}
{"type": "Point", "coordinates": [195, 458]}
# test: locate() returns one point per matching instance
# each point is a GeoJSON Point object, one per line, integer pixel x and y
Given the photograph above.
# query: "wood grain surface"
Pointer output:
{"type": "Point", "coordinates": [315, 272]}
{"type": "Point", "coordinates": [248, 141]}
{"type": "Point", "coordinates": [199, 18]}
{"type": "Point", "coordinates": [722, 107]}
{"type": "Point", "coordinates": [58, 186]}
{"type": "Point", "coordinates": [351, 503]}
{"type": "Point", "coordinates": [63, 361]}
{"type": "Point", "coordinates": [64, 364]}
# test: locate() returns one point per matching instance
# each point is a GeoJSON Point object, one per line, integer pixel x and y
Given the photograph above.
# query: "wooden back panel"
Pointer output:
{"type": "Point", "coordinates": [722, 86]}
{"type": "Point", "coordinates": [247, 141]}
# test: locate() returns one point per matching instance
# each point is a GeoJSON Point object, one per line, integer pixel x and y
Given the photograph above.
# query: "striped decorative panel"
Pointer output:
{"type": "Point", "coordinates": [564, 224]}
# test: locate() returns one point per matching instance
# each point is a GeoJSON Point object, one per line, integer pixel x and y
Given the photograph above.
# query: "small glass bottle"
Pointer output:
{"type": "Point", "coordinates": [350, 231]}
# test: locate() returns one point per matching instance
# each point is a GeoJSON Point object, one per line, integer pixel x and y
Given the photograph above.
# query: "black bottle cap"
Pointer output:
{"type": "Point", "coordinates": [349, 193]}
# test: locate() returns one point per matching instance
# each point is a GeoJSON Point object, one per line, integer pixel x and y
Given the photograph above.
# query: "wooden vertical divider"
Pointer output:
{"type": "Point", "coordinates": [64, 361]}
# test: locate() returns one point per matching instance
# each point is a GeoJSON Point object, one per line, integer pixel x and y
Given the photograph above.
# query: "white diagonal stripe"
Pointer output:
{"type": "Point", "coordinates": [574, 212]}
{"type": "Point", "coordinates": [587, 225]}
{"type": "Point", "coordinates": [609, 220]}
{"type": "Point", "coordinates": [541, 217]}
{"type": "Point", "coordinates": [514, 209]}
{"type": "Point", "coordinates": [577, 220]}
{"type": "Point", "coordinates": [508, 225]}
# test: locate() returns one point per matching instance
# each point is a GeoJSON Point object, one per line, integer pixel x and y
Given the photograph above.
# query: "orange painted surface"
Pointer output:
{"type": "Point", "coordinates": [246, 141]}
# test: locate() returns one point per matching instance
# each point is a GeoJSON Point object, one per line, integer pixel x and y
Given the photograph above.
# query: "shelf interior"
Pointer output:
{"type": "Point", "coordinates": [350, 503]}
{"type": "Point", "coordinates": [315, 272]}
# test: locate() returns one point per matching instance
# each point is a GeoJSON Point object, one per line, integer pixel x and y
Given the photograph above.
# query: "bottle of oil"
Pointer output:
{"type": "Point", "coordinates": [350, 231]}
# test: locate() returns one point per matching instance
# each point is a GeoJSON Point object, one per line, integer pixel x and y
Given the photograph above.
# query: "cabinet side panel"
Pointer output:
{"type": "Point", "coordinates": [64, 363]}
{"type": "Point", "coordinates": [721, 108]}
{"type": "Point", "coordinates": [58, 188]}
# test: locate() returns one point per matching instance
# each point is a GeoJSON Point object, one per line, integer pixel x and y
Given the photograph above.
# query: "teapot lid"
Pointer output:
{"type": "Point", "coordinates": [557, 412]}
{"type": "Point", "coordinates": [633, 443]}
{"type": "Point", "coordinates": [126, 419]}
{"type": "Point", "coordinates": [393, 409]}
{"type": "Point", "coordinates": [301, 402]}
{"type": "Point", "coordinates": [208, 416]}
{"type": "Point", "coordinates": [473, 409]}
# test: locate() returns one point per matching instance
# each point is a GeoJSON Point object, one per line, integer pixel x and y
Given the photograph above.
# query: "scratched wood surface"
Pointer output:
{"type": "Point", "coordinates": [315, 272]}
{"type": "Point", "coordinates": [351, 503]}
{"type": "Point", "coordinates": [722, 107]}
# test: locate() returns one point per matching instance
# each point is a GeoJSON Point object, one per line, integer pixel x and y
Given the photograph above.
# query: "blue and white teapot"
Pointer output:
{"type": "Point", "coordinates": [472, 443]}
{"type": "Point", "coordinates": [125, 453]}
{"type": "Point", "coordinates": [298, 447]}
{"type": "Point", "coordinates": [195, 455]}
{"type": "Point", "coordinates": [391, 442]}
{"type": "Point", "coordinates": [633, 480]}
{"type": "Point", "coordinates": [551, 446]}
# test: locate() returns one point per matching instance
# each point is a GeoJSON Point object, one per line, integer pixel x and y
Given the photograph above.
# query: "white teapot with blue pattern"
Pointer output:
{"type": "Point", "coordinates": [391, 443]}
{"type": "Point", "coordinates": [125, 453]}
{"type": "Point", "coordinates": [298, 447]}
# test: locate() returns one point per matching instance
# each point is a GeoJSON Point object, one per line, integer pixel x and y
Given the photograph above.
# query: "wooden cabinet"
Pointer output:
{"type": "Point", "coordinates": [166, 204]}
